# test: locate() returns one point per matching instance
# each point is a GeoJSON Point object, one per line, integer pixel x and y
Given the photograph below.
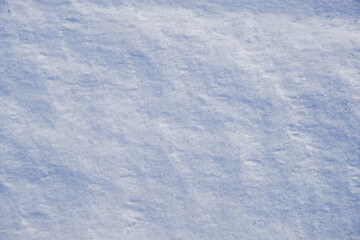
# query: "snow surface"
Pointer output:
{"type": "Point", "coordinates": [156, 119]}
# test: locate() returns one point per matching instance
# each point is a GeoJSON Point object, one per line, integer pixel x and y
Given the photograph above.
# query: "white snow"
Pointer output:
{"type": "Point", "coordinates": [185, 119]}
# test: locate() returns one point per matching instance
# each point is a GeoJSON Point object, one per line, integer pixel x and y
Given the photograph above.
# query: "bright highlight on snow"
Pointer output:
{"type": "Point", "coordinates": [179, 119]}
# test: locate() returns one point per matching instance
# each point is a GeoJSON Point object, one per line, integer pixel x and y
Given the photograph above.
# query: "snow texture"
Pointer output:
{"type": "Point", "coordinates": [206, 119]}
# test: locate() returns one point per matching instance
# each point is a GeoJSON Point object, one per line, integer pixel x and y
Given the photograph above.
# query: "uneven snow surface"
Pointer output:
{"type": "Point", "coordinates": [206, 119]}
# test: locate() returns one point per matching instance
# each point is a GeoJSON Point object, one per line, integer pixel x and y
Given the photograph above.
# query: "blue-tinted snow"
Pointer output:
{"type": "Point", "coordinates": [179, 119]}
